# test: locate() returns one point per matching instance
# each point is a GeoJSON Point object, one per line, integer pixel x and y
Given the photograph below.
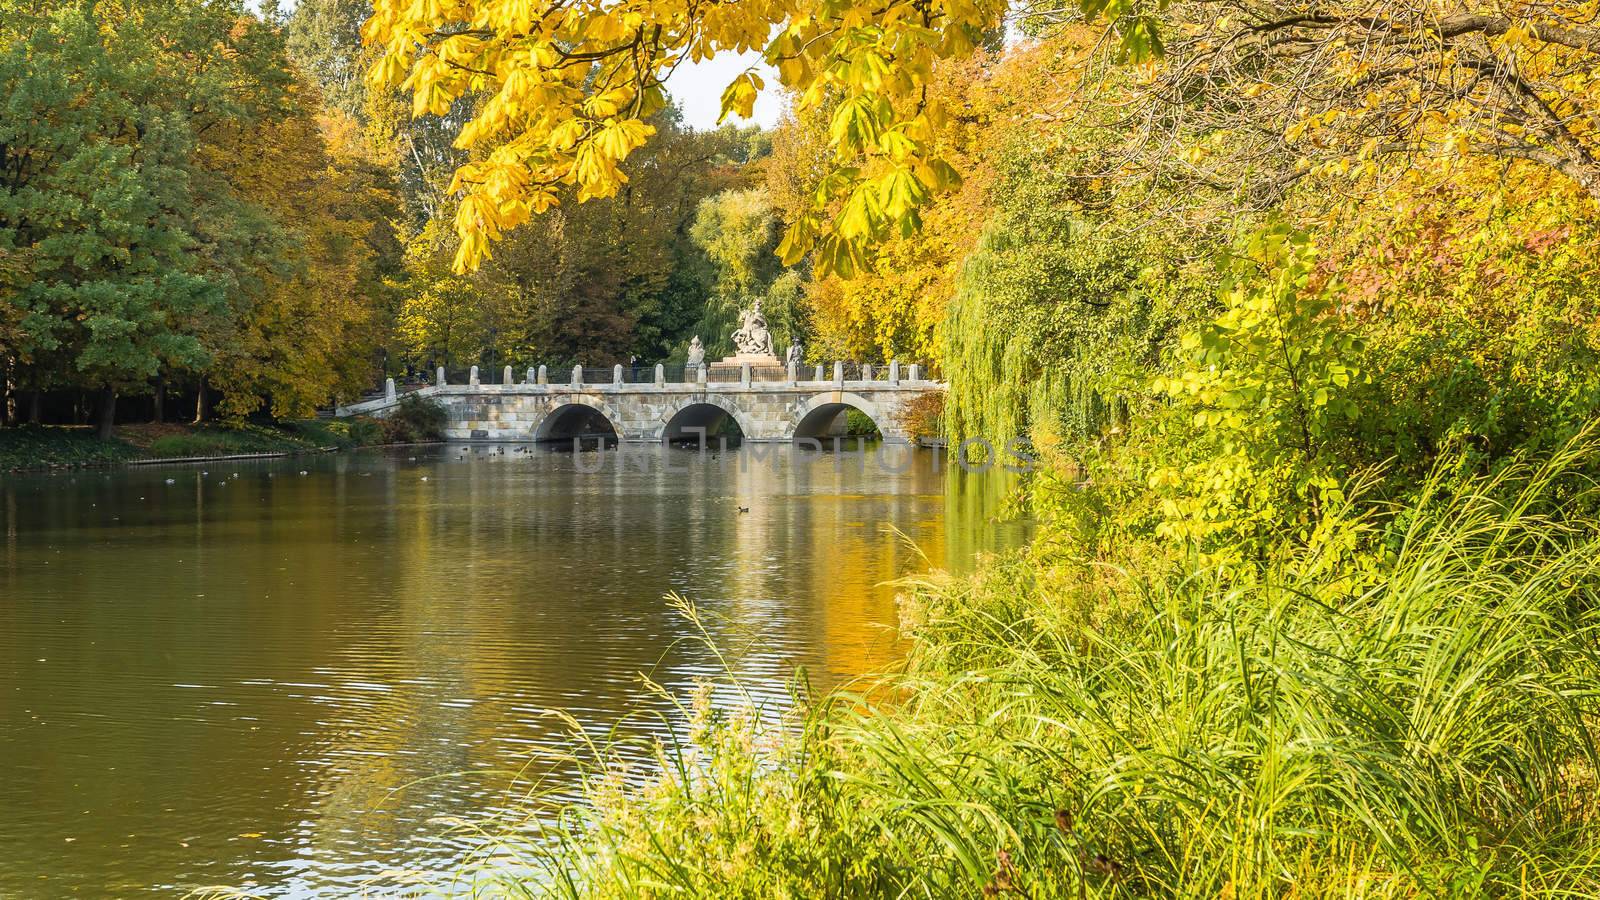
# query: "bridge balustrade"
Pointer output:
{"type": "Point", "coordinates": [672, 374]}
{"type": "Point", "coordinates": [769, 373]}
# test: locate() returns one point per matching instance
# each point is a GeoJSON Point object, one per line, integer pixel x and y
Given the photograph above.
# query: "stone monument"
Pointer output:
{"type": "Point", "coordinates": [754, 342]}
{"type": "Point", "coordinates": [796, 354]}
{"type": "Point", "coordinates": [697, 353]}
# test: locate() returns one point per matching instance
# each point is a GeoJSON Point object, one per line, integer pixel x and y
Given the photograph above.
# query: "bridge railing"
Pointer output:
{"type": "Point", "coordinates": [670, 374]}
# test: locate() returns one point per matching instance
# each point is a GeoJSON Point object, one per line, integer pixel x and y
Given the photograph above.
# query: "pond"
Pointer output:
{"type": "Point", "coordinates": [279, 674]}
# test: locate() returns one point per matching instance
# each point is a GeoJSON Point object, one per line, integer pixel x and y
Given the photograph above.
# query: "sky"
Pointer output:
{"type": "Point", "coordinates": [697, 87]}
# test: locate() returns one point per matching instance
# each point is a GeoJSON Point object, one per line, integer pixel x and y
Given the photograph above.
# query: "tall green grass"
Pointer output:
{"type": "Point", "coordinates": [1406, 707]}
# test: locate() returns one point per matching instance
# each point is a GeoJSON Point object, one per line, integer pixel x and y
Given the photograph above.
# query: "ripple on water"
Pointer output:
{"type": "Point", "coordinates": [284, 682]}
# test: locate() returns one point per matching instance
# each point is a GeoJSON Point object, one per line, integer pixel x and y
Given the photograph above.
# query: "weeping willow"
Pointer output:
{"type": "Point", "coordinates": [1000, 388]}
{"type": "Point", "coordinates": [1052, 333]}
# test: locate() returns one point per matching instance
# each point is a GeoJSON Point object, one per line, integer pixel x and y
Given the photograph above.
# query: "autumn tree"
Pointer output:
{"type": "Point", "coordinates": [440, 317]}
{"type": "Point", "coordinates": [306, 320]}
{"type": "Point", "coordinates": [1254, 97]}
{"type": "Point", "coordinates": [610, 281]}
{"type": "Point", "coordinates": [567, 89]}
{"type": "Point", "coordinates": [105, 107]}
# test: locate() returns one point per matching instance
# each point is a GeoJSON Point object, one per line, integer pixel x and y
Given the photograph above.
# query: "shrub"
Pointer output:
{"type": "Point", "coordinates": [362, 431]}
{"type": "Point", "coordinates": [859, 424]}
{"type": "Point", "coordinates": [415, 419]}
{"type": "Point", "coordinates": [1250, 444]}
{"type": "Point", "coordinates": [923, 415]}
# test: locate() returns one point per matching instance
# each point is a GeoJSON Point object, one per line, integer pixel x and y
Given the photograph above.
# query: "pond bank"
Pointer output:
{"type": "Point", "coordinates": [44, 447]}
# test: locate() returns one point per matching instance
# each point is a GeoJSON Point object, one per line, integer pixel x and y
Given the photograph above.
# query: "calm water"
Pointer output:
{"type": "Point", "coordinates": [274, 674]}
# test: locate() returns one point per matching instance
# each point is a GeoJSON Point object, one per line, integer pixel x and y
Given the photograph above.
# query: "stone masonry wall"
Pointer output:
{"type": "Point", "coordinates": [641, 412]}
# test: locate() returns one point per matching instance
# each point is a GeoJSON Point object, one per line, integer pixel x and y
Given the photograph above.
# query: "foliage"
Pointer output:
{"type": "Point", "coordinates": [307, 326]}
{"type": "Point", "coordinates": [893, 305]}
{"type": "Point", "coordinates": [1066, 731]}
{"type": "Point", "coordinates": [1067, 303]}
{"type": "Point", "coordinates": [415, 419]}
{"type": "Point", "coordinates": [105, 106]}
{"type": "Point", "coordinates": [597, 283]}
{"type": "Point", "coordinates": [621, 279]}
{"type": "Point", "coordinates": [174, 208]}
{"type": "Point", "coordinates": [738, 230]}
{"type": "Point", "coordinates": [323, 37]}
{"type": "Point", "coordinates": [568, 90]}
{"type": "Point", "coordinates": [859, 424]}
{"type": "Point", "coordinates": [1267, 392]}
{"type": "Point", "coordinates": [1259, 96]}
{"type": "Point", "coordinates": [438, 321]}
{"type": "Point", "coordinates": [1476, 299]}
{"type": "Point", "coordinates": [923, 416]}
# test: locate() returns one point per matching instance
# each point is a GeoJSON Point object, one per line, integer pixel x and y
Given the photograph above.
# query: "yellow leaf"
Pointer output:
{"type": "Point", "coordinates": [739, 99]}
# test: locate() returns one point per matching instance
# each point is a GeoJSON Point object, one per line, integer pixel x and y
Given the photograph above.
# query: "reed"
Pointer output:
{"type": "Point", "coordinates": [1417, 719]}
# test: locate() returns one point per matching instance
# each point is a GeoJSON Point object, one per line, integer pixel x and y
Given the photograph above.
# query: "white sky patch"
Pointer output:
{"type": "Point", "coordinates": [698, 87]}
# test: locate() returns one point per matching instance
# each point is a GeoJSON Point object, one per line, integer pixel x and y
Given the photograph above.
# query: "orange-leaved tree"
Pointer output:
{"type": "Point", "coordinates": [565, 89]}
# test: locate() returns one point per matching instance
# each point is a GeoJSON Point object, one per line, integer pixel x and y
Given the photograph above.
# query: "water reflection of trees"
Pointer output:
{"type": "Point", "coordinates": [359, 630]}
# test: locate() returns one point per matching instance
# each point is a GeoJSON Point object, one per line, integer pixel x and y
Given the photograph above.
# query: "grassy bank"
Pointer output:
{"type": "Point", "coordinates": [52, 446]}
{"type": "Point", "coordinates": [1405, 705]}
{"type": "Point", "coordinates": [57, 446]}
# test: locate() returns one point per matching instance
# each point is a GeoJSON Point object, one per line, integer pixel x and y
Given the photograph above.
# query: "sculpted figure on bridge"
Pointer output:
{"type": "Point", "coordinates": [753, 338]}
{"type": "Point", "coordinates": [697, 353]}
{"type": "Point", "coordinates": [796, 355]}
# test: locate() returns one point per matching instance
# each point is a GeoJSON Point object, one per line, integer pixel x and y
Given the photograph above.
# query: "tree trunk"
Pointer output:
{"type": "Point", "coordinates": [161, 399]}
{"type": "Point", "coordinates": [8, 411]}
{"type": "Point", "coordinates": [35, 406]}
{"type": "Point", "coordinates": [200, 403]}
{"type": "Point", "coordinates": [105, 429]}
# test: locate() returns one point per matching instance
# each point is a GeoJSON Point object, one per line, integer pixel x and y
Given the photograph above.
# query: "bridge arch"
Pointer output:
{"type": "Point", "coordinates": [815, 418]}
{"type": "Point", "coordinates": [705, 411]}
{"type": "Point", "coordinates": [577, 415]}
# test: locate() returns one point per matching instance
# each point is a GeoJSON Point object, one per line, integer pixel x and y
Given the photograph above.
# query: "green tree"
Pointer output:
{"type": "Point", "coordinates": [104, 106]}
{"type": "Point", "coordinates": [323, 38]}
{"type": "Point", "coordinates": [738, 231]}
{"type": "Point", "coordinates": [619, 279]}
{"type": "Point", "coordinates": [440, 320]}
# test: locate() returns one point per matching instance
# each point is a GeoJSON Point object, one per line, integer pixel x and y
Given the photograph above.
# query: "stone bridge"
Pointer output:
{"type": "Point", "coordinates": [766, 405]}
